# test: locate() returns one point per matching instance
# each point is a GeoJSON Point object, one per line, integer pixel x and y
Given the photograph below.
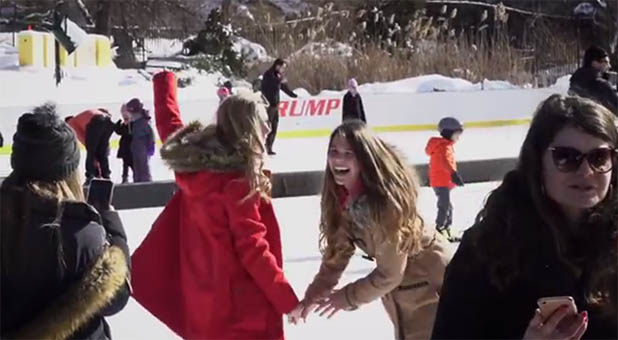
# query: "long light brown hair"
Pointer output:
{"type": "Point", "coordinates": [239, 121]}
{"type": "Point", "coordinates": [391, 189]}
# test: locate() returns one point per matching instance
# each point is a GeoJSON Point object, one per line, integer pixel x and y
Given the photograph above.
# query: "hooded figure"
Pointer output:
{"type": "Point", "coordinates": [588, 81]}
{"type": "Point", "coordinates": [123, 128]}
{"type": "Point", "coordinates": [142, 142]}
{"type": "Point", "coordinates": [353, 104]}
{"type": "Point", "coordinates": [64, 264]}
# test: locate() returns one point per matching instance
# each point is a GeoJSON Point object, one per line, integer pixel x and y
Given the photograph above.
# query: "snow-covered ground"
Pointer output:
{"type": "Point", "coordinates": [298, 218]}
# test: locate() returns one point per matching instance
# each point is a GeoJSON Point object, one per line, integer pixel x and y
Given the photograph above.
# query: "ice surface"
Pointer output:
{"type": "Point", "coordinates": [298, 218]}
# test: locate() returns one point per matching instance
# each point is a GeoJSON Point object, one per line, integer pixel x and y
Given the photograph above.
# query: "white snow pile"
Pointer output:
{"type": "Point", "coordinates": [325, 48]}
{"type": "Point", "coordinates": [163, 48]}
{"type": "Point", "coordinates": [563, 83]}
{"type": "Point", "coordinates": [9, 57]}
{"type": "Point", "coordinates": [291, 6]}
{"type": "Point", "coordinates": [428, 83]}
{"type": "Point", "coordinates": [253, 52]}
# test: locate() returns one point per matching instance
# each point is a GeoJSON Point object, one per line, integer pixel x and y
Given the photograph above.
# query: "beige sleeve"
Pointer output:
{"type": "Point", "coordinates": [330, 271]}
{"type": "Point", "coordinates": [388, 274]}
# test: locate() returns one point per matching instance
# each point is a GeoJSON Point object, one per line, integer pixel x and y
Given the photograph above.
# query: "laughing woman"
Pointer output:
{"type": "Point", "coordinates": [369, 201]}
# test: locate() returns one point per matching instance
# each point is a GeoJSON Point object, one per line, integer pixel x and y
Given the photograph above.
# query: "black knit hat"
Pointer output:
{"type": "Point", "coordinates": [44, 148]}
{"type": "Point", "coordinates": [594, 53]}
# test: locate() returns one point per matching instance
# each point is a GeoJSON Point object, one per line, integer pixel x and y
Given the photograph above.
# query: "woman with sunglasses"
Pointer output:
{"type": "Point", "coordinates": [549, 230]}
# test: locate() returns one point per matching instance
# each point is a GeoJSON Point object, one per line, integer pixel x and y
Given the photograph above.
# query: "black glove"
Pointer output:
{"type": "Point", "coordinates": [294, 95]}
{"type": "Point", "coordinates": [456, 178]}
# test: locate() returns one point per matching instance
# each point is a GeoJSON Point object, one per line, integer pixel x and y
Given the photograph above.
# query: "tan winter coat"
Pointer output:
{"type": "Point", "coordinates": [409, 286]}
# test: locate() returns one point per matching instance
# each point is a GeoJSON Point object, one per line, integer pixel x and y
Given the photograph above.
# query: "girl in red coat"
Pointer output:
{"type": "Point", "coordinates": [211, 267]}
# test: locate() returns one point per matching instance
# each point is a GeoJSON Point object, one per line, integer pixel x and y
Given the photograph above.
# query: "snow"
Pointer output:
{"type": "Point", "coordinates": [329, 47]}
{"type": "Point", "coordinates": [163, 48]}
{"type": "Point", "coordinates": [291, 6]}
{"type": "Point", "coordinates": [298, 218]}
{"type": "Point", "coordinates": [563, 83]}
{"type": "Point", "coordinates": [253, 52]}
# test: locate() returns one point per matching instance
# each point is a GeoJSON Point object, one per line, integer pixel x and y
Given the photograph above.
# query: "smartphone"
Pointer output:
{"type": "Point", "coordinates": [100, 193]}
{"type": "Point", "coordinates": [549, 305]}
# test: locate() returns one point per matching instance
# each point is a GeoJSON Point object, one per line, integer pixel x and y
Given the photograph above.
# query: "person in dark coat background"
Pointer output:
{"type": "Point", "coordinates": [65, 265]}
{"type": "Point", "coordinates": [142, 140]}
{"type": "Point", "coordinates": [123, 128]}
{"type": "Point", "coordinates": [353, 104]}
{"type": "Point", "coordinates": [93, 128]}
{"type": "Point", "coordinates": [1, 140]}
{"type": "Point", "coordinates": [273, 81]}
{"type": "Point", "coordinates": [588, 81]}
{"type": "Point", "coordinates": [548, 230]}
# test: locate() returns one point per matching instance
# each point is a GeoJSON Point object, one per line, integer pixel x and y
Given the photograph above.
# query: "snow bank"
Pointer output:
{"type": "Point", "coordinates": [325, 48]}
{"type": "Point", "coordinates": [563, 83]}
{"type": "Point", "coordinates": [253, 52]}
{"type": "Point", "coordinates": [163, 48]}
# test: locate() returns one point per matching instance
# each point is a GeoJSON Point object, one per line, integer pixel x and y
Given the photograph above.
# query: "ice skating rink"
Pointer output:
{"type": "Point", "coordinates": [298, 218]}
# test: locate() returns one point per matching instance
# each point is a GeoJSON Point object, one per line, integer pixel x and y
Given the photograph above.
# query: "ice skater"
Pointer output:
{"type": "Point", "coordinates": [443, 175]}
{"type": "Point", "coordinates": [93, 129]}
{"type": "Point", "coordinates": [274, 81]}
{"type": "Point", "coordinates": [353, 103]}
{"type": "Point", "coordinates": [211, 268]}
{"type": "Point", "coordinates": [142, 140]}
{"type": "Point", "coordinates": [369, 201]}
{"type": "Point", "coordinates": [123, 128]}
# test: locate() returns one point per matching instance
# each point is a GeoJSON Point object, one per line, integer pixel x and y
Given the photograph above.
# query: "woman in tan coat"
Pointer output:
{"type": "Point", "coordinates": [369, 201]}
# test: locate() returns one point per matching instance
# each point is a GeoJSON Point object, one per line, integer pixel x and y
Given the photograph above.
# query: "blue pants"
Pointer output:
{"type": "Point", "coordinates": [445, 208]}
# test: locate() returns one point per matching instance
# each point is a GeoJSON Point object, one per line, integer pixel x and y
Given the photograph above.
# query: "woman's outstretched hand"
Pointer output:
{"type": "Point", "coordinates": [559, 326]}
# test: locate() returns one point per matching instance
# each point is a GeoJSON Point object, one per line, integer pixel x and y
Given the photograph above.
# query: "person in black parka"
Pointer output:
{"type": "Point", "coordinates": [273, 81]}
{"type": "Point", "coordinates": [65, 265]}
{"type": "Point", "coordinates": [589, 82]}
{"type": "Point", "coordinates": [353, 103]}
{"type": "Point", "coordinates": [550, 229]}
{"type": "Point", "coordinates": [123, 128]}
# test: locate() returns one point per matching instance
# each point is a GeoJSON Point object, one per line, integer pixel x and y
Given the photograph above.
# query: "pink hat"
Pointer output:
{"type": "Point", "coordinates": [223, 92]}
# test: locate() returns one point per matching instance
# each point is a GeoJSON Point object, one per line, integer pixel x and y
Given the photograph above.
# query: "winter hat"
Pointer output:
{"type": "Point", "coordinates": [223, 93]}
{"type": "Point", "coordinates": [44, 148]}
{"type": "Point", "coordinates": [135, 106]}
{"type": "Point", "coordinates": [228, 85]}
{"type": "Point", "coordinates": [594, 53]}
{"type": "Point", "coordinates": [353, 84]}
{"type": "Point", "coordinates": [450, 123]}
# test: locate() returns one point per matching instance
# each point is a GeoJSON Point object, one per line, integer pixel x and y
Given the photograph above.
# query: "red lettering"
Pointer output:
{"type": "Point", "coordinates": [332, 105]}
{"type": "Point", "coordinates": [283, 106]}
{"type": "Point", "coordinates": [316, 106]}
{"type": "Point", "coordinates": [293, 109]}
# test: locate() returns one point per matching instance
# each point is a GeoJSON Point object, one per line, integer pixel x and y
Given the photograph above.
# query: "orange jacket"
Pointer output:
{"type": "Point", "coordinates": [80, 122]}
{"type": "Point", "coordinates": [442, 162]}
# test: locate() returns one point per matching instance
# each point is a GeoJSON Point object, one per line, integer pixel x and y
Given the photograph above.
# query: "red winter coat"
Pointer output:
{"type": "Point", "coordinates": [442, 162]}
{"type": "Point", "coordinates": [79, 123]}
{"type": "Point", "coordinates": [211, 267]}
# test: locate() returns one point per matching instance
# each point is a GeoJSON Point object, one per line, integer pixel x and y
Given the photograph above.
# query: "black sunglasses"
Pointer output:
{"type": "Point", "coordinates": [568, 159]}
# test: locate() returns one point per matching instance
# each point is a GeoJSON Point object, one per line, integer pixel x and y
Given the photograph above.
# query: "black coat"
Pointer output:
{"type": "Point", "coordinates": [1, 140]}
{"type": "Point", "coordinates": [272, 83]}
{"type": "Point", "coordinates": [473, 308]}
{"type": "Point", "coordinates": [124, 147]}
{"type": "Point", "coordinates": [587, 82]}
{"type": "Point", "coordinates": [43, 297]}
{"type": "Point", "coordinates": [353, 107]}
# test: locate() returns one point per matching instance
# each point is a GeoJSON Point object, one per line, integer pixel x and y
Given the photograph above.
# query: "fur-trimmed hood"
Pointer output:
{"type": "Point", "coordinates": [82, 301]}
{"type": "Point", "coordinates": [195, 148]}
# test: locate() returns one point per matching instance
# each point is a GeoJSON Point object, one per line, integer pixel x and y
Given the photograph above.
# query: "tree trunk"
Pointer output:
{"type": "Point", "coordinates": [103, 17]}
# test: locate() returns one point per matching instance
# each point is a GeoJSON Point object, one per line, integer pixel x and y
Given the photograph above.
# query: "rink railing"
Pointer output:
{"type": "Point", "coordinates": [301, 183]}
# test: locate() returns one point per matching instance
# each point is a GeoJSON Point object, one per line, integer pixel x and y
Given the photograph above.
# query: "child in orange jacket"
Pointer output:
{"type": "Point", "coordinates": [443, 175]}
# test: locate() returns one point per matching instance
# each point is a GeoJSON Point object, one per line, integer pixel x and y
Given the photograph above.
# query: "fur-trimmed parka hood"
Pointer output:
{"type": "Point", "coordinates": [196, 147]}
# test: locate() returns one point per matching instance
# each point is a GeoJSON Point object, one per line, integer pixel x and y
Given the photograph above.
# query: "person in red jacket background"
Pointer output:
{"type": "Point", "coordinates": [443, 175]}
{"type": "Point", "coordinates": [93, 129]}
{"type": "Point", "coordinates": [211, 267]}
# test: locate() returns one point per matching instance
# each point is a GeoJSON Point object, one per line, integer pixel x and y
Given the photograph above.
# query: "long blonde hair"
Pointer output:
{"type": "Point", "coordinates": [239, 121]}
{"type": "Point", "coordinates": [391, 189]}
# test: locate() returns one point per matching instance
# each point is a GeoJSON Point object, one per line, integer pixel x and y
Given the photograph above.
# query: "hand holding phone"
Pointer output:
{"type": "Point", "coordinates": [100, 194]}
{"type": "Point", "coordinates": [548, 305]}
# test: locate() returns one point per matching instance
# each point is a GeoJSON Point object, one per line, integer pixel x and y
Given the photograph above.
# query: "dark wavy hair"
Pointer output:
{"type": "Point", "coordinates": [518, 219]}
